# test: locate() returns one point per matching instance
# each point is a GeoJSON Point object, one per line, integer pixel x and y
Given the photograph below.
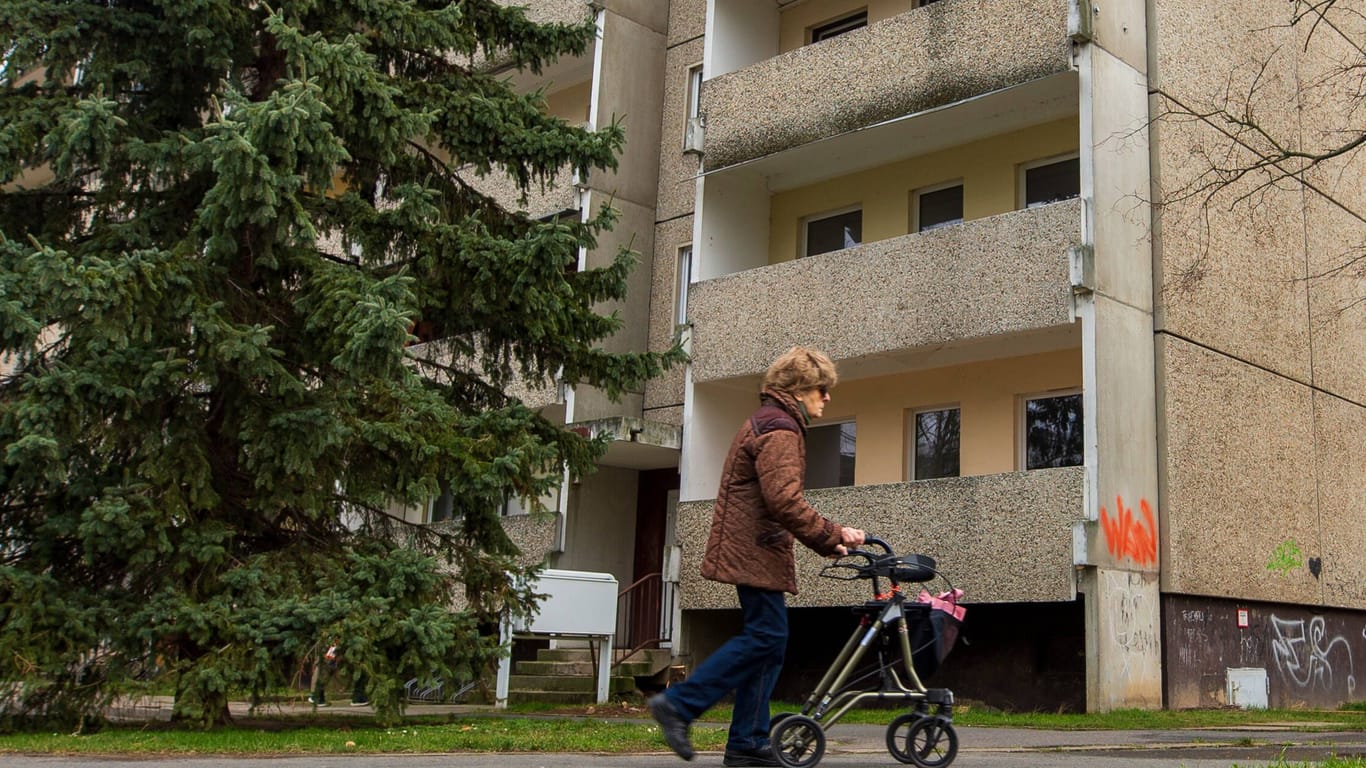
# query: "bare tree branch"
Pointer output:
{"type": "Point", "coordinates": [1250, 159]}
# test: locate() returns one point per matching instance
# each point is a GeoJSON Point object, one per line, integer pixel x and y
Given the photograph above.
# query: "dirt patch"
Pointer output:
{"type": "Point", "coordinates": [622, 709]}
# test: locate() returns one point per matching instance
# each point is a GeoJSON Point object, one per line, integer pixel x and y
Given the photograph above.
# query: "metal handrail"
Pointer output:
{"type": "Point", "coordinates": [642, 618]}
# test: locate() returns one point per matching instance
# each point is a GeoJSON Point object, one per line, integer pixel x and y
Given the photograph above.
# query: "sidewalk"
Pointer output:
{"type": "Point", "coordinates": [156, 708]}
{"type": "Point", "coordinates": [1263, 741]}
{"type": "Point", "coordinates": [1258, 741]}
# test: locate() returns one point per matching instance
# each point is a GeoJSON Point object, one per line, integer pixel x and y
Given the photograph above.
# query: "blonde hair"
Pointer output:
{"type": "Point", "coordinates": [800, 369]}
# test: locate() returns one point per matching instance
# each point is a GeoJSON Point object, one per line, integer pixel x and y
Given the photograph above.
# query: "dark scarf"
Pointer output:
{"type": "Point", "coordinates": [787, 402]}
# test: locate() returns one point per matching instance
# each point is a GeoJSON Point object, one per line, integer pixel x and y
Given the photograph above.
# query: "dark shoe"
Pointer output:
{"type": "Point", "coordinates": [672, 725]}
{"type": "Point", "coordinates": [761, 757]}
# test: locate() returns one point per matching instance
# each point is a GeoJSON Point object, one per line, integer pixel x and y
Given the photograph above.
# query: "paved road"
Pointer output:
{"type": "Point", "coordinates": [965, 760]}
{"type": "Point", "coordinates": [855, 746]}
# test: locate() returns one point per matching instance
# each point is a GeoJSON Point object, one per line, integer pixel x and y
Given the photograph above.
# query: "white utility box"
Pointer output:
{"type": "Point", "coordinates": [576, 604]}
{"type": "Point", "coordinates": [1247, 687]}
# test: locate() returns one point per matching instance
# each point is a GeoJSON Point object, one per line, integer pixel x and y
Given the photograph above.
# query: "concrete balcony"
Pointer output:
{"type": "Point", "coordinates": [557, 196]}
{"type": "Point", "coordinates": [916, 61]}
{"type": "Point", "coordinates": [535, 535]}
{"type": "Point", "coordinates": [893, 302]}
{"type": "Point", "coordinates": [536, 395]}
{"type": "Point", "coordinates": [554, 11]}
{"type": "Point", "coordinates": [1001, 538]}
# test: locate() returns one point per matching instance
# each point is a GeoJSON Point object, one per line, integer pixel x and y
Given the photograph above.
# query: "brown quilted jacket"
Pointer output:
{"type": "Point", "coordinates": [760, 506]}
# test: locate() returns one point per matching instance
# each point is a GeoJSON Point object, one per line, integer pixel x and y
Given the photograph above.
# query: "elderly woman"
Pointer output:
{"type": "Point", "coordinates": [760, 508]}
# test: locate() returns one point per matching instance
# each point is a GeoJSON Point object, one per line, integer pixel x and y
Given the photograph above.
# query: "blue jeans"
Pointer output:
{"type": "Point", "coordinates": [749, 663]}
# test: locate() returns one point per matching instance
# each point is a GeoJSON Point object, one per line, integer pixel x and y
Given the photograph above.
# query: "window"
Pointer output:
{"type": "Point", "coordinates": [1053, 431]}
{"type": "Point", "coordinates": [830, 455]}
{"type": "Point", "coordinates": [936, 444]}
{"type": "Point", "coordinates": [837, 27]}
{"type": "Point", "coordinates": [938, 207]}
{"type": "Point", "coordinates": [442, 507]}
{"type": "Point", "coordinates": [515, 506]}
{"type": "Point", "coordinates": [1049, 181]}
{"type": "Point", "coordinates": [694, 91]}
{"type": "Point", "coordinates": [692, 123]}
{"type": "Point", "coordinates": [923, 3]}
{"type": "Point", "coordinates": [833, 232]}
{"type": "Point", "coordinates": [682, 279]}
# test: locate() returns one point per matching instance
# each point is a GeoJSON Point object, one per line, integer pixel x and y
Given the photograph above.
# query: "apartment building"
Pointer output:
{"type": "Point", "coordinates": [954, 199]}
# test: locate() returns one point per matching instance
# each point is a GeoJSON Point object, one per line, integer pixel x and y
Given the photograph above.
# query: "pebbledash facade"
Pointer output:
{"type": "Point", "coordinates": [1150, 489]}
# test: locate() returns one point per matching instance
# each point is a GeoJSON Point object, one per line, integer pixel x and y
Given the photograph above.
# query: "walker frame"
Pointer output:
{"type": "Point", "coordinates": [924, 736]}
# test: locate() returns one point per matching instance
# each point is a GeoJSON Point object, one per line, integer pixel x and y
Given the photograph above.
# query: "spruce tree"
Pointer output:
{"type": "Point", "coordinates": [250, 305]}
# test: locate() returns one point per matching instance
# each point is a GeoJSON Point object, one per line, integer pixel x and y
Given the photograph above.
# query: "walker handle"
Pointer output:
{"type": "Point", "coordinates": [871, 557]}
{"type": "Point", "coordinates": [886, 548]}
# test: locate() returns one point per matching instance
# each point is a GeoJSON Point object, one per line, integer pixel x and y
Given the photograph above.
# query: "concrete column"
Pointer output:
{"type": "Point", "coordinates": [1117, 544]}
{"type": "Point", "coordinates": [1123, 640]}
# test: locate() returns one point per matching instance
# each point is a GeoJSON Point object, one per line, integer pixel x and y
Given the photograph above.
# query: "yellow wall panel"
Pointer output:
{"type": "Point", "coordinates": [571, 103]}
{"type": "Point", "coordinates": [987, 393]}
{"type": "Point", "coordinates": [796, 20]}
{"type": "Point", "coordinates": [987, 168]}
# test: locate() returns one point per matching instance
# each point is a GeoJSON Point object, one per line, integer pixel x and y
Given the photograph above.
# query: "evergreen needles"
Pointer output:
{"type": "Point", "coordinates": [250, 308]}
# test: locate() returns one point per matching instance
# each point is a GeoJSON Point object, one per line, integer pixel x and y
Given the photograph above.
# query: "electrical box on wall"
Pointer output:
{"type": "Point", "coordinates": [1247, 687]}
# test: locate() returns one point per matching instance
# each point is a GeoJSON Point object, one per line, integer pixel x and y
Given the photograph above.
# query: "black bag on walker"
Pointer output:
{"type": "Point", "coordinates": [936, 621]}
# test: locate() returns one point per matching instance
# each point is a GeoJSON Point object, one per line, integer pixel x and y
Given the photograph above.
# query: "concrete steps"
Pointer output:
{"type": "Point", "coordinates": [580, 668]}
{"type": "Point", "coordinates": [568, 676]}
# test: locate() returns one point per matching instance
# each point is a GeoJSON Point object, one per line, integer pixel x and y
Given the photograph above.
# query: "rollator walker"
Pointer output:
{"type": "Point", "coordinates": [910, 631]}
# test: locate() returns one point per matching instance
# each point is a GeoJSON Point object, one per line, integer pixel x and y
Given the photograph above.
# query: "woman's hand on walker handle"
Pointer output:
{"type": "Point", "coordinates": [852, 537]}
{"type": "Point", "coordinates": [849, 537]}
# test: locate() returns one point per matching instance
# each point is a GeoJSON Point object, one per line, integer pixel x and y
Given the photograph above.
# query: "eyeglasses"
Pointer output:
{"type": "Point", "coordinates": [825, 391]}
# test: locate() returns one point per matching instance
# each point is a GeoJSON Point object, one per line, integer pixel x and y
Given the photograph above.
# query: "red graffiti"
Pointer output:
{"type": "Point", "coordinates": [1127, 536]}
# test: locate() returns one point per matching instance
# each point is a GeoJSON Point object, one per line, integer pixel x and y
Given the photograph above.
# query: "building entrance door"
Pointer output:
{"type": "Point", "coordinates": [643, 605]}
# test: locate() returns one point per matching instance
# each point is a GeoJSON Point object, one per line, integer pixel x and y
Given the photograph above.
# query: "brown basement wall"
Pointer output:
{"type": "Point", "coordinates": [1311, 656]}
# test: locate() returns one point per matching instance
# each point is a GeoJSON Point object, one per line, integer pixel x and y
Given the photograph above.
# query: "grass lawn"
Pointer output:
{"type": "Point", "coordinates": [1349, 762]}
{"type": "Point", "coordinates": [300, 735]}
{"type": "Point", "coordinates": [609, 729]}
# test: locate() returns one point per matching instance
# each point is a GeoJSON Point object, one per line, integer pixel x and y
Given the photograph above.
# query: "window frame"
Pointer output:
{"type": "Point", "coordinates": [509, 504]}
{"type": "Point", "coordinates": [915, 205]}
{"type": "Point", "coordinates": [683, 268]}
{"type": "Point", "coordinates": [428, 515]}
{"type": "Point", "coordinates": [514, 506]}
{"type": "Point", "coordinates": [692, 108]}
{"type": "Point", "coordinates": [911, 453]}
{"type": "Point", "coordinates": [806, 221]}
{"type": "Point", "coordinates": [1021, 190]}
{"type": "Point", "coordinates": [836, 26]}
{"type": "Point", "coordinates": [1022, 427]}
{"type": "Point", "coordinates": [836, 422]}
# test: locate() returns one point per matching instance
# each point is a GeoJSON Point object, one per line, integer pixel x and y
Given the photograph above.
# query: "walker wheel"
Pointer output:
{"type": "Point", "coordinates": [798, 741]}
{"type": "Point", "coordinates": [897, 743]}
{"type": "Point", "coordinates": [927, 742]}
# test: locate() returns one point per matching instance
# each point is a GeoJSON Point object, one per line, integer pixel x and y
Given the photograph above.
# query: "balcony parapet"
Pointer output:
{"type": "Point", "coordinates": [999, 275]}
{"type": "Point", "coordinates": [922, 59]}
{"type": "Point", "coordinates": [535, 395]}
{"type": "Point", "coordinates": [554, 11]}
{"type": "Point", "coordinates": [1001, 538]}
{"type": "Point", "coordinates": [539, 12]}
{"type": "Point", "coordinates": [536, 535]}
{"type": "Point", "coordinates": [557, 195]}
